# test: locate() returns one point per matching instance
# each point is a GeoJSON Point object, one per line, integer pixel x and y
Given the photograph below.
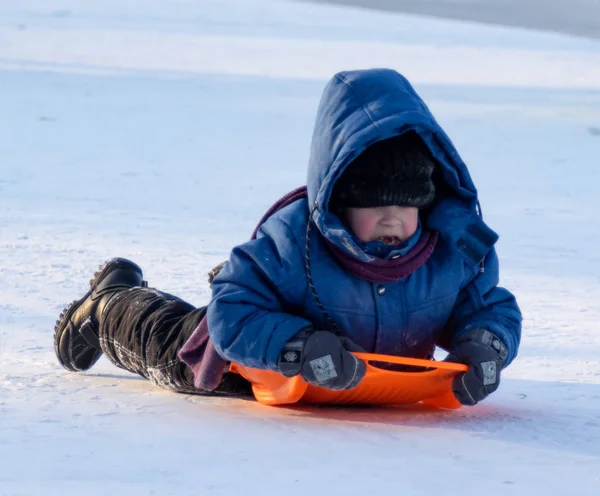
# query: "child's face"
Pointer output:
{"type": "Point", "coordinates": [391, 225]}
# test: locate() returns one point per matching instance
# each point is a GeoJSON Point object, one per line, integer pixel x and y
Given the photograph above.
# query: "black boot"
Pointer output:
{"type": "Point", "coordinates": [76, 340]}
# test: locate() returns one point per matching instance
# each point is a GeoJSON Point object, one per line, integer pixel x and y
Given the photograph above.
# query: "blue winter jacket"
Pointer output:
{"type": "Point", "coordinates": [262, 297]}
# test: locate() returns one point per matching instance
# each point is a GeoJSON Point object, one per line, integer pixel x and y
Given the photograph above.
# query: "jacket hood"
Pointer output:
{"type": "Point", "coordinates": [358, 109]}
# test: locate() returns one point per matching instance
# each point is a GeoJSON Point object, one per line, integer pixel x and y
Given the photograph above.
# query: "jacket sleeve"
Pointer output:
{"type": "Point", "coordinates": [250, 316]}
{"type": "Point", "coordinates": [483, 304]}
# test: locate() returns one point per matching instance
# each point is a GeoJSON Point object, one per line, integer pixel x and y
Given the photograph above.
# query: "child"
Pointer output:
{"type": "Point", "coordinates": [384, 251]}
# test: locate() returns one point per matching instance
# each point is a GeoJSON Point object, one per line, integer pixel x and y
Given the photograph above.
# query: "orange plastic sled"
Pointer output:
{"type": "Point", "coordinates": [432, 386]}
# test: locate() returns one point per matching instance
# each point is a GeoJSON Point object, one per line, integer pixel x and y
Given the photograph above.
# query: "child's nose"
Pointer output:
{"type": "Point", "coordinates": [391, 216]}
{"type": "Point", "coordinates": [395, 216]}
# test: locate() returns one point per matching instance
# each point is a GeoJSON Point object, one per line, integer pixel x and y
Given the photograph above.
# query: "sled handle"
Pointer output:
{"type": "Point", "coordinates": [416, 362]}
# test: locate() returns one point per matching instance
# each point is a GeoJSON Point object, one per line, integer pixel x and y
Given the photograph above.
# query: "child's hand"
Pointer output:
{"type": "Point", "coordinates": [322, 360]}
{"type": "Point", "coordinates": [485, 354]}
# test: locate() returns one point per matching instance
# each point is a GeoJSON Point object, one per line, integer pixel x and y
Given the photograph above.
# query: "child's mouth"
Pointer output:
{"type": "Point", "coordinates": [390, 240]}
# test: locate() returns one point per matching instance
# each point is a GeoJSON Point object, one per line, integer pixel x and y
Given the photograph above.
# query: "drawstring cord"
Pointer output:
{"type": "Point", "coordinates": [482, 263]}
{"type": "Point", "coordinates": [309, 272]}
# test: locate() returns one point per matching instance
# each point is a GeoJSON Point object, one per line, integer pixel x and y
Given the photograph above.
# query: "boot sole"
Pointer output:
{"type": "Point", "coordinates": [64, 317]}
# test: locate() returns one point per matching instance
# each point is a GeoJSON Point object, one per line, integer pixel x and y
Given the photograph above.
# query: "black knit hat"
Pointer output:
{"type": "Point", "coordinates": [395, 171]}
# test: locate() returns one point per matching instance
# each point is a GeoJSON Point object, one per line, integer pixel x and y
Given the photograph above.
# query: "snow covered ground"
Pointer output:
{"type": "Point", "coordinates": [162, 130]}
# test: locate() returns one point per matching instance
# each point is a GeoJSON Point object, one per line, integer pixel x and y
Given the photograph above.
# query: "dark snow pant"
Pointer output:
{"type": "Point", "coordinates": [143, 330]}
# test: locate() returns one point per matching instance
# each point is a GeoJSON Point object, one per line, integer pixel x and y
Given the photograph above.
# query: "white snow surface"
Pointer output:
{"type": "Point", "coordinates": [161, 131]}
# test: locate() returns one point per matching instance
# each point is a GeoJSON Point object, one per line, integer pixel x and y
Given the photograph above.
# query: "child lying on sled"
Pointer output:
{"type": "Point", "coordinates": [384, 251]}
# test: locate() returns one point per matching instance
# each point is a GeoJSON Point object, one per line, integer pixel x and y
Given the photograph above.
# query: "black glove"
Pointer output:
{"type": "Point", "coordinates": [322, 359]}
{"type": "Point", "coordinates": [485, 354]}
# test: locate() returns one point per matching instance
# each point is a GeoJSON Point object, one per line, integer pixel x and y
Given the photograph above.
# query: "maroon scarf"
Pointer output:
{"type": "Point", "coordinates": [380, 270]}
